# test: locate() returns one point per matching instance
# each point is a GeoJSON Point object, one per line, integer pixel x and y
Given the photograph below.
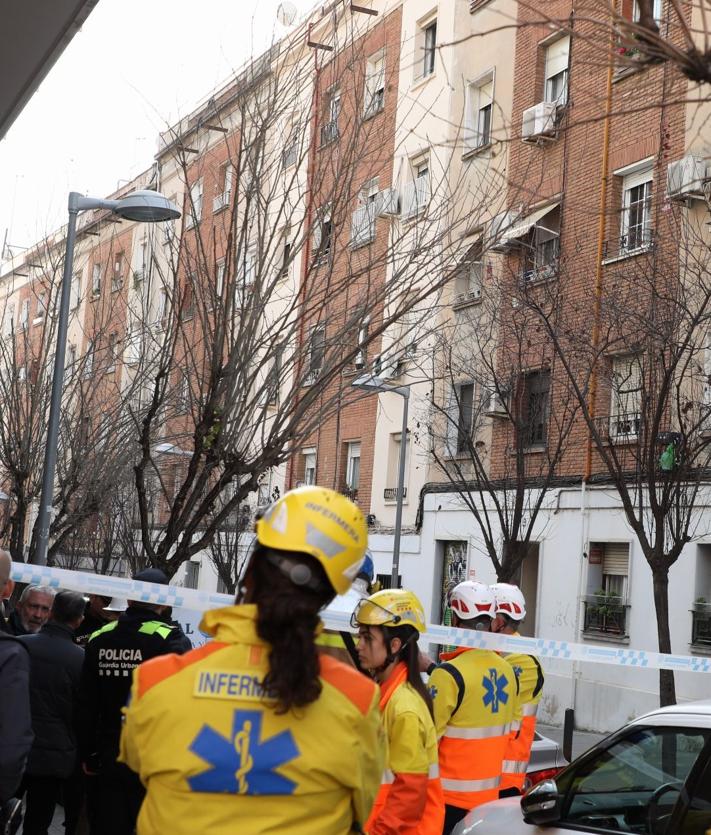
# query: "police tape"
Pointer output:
{"type": "Point", "coordinates": [200, 601]}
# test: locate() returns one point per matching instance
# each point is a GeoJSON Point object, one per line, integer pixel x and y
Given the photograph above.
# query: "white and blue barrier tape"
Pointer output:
{"type": "Point", "coordinates": [200, 601]}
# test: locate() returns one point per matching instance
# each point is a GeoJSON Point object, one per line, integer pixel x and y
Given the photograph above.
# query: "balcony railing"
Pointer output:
{"type": "Point", "coordinates": [635, 241]}
{"type": "Point", "coordinates": [329, 132]}
{"type": "Point", "coordinates": [605, 615]}
{"type": "Point", "coordinates": [350, 492]}
{"type": "Point", "coordinates": [390, 494]}
{"type": "Point", "coordinates": [701, 625]}
{"type": "Point", "coordinates": [619, 428]}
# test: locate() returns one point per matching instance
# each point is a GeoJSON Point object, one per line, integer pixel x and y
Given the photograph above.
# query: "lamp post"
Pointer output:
{"type": "Point", "coordinates": [143, 206]}
{"type": "Point", "coordinates": [375, 384]}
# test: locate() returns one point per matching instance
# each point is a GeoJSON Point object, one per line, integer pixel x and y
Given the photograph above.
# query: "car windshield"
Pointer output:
{"type": "Point", "coordinates": [614, 790]}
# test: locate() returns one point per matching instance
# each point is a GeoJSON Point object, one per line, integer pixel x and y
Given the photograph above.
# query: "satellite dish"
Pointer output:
{"type": "Point", "coordinates": [286, 13]}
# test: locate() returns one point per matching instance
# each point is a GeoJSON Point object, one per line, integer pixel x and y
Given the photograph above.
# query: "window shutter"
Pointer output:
{"type": "Point", "coordinates": [557, 57]}
{"type": "Point", "coordinates": [452, 427]}
{"type": "Point", "coordinates": [616, 559]}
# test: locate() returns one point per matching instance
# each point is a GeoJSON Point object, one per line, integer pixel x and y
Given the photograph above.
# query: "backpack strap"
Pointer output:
{"type": "Point", "coordinates": [459, 680]}
{"type": "Point", "coordinates": [539, 683]}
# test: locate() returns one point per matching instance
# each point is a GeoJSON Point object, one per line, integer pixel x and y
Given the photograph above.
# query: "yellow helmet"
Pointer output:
{"type": "Point", "coordinates": [390, 607]}
{"type": "Point", "coordinates": [322, 523]}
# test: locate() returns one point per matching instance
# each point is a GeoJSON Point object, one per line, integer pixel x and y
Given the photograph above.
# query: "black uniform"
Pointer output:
{"type": "Point", "coordinates": [15, 720]}
{"type": "Point", "coordinates": [55, 672]}
{"type": "Point", "coordinates": [112, 654]}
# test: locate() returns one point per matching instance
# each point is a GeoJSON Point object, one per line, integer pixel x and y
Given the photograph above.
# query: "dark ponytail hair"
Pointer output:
{"type": "Point", "coordinates": [409, 653]}
{"type": "Point", "coordinates": [287, 619]}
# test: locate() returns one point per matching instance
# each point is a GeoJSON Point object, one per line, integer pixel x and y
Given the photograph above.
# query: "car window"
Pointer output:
{"type": "Point", "coordinates": [633, 785]}
{"type": "Point", "coordinates": [697, 817]}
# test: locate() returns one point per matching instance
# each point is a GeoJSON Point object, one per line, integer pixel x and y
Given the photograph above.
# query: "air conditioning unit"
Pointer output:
{"type": "Point", "coordinates": [495, 407]}
{"type": "Point", "coordinates": [540, 122]}
{"type": "Point", "coordinates": [686, 178]}
{"type": "Point", "coordinates": [388, 203]}
{"type": "Point", "coordinates": [470, 296]}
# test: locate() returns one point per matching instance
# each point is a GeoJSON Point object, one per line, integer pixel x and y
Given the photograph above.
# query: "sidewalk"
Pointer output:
{"type": "Point", "coordinates": [582, 740]}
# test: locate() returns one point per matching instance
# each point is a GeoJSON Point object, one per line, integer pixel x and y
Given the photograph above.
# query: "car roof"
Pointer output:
{"type": "Point", "coordinates": [701, 708]}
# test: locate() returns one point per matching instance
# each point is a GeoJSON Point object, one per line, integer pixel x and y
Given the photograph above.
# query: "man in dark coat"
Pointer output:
{"type": "Point", "coordinates": [115, 792]}
{"type": "Point", "coordinates": [6, 587]}
{"type": "Point", "coordinates": [15, 721]}
{"type": "Point", "coordinates": [55, 673]}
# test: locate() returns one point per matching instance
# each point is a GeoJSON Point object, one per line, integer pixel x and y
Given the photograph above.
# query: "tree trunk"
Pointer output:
{"type": "Point", "coordinates": [667, 688]}
{"type": "Point", "coordinates": [512, 557]}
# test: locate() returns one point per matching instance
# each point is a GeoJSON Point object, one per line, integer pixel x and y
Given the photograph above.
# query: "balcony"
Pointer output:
{"type": "Point", "coordinates": [329, 132]}
{"type": "Point", "coordinates": [390, 494]}
{"type": "Point", "coordinates": [605, 614]}
{"type": "Point", "coordinates": [701, 626]}
{"type": "Point", "coordinates": [620, 428]}
{"type": "Point", "coordinates": [221, 201]}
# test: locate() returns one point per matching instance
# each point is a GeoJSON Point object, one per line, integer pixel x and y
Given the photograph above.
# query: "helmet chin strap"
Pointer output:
{"type": "Point", "coordinates": [391, 656]}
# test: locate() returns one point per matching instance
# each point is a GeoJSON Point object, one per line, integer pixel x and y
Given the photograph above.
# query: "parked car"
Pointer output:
{"type": "Point", "coordinates": [652, 777]}
{"type": "Point", "coordinates": [546, 761]}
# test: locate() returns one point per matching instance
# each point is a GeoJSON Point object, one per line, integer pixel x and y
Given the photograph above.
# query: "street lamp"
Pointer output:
{"type": "Point", "coordinates": [143, 206]}
{"type": "Point", "coordinates": [374, 384]}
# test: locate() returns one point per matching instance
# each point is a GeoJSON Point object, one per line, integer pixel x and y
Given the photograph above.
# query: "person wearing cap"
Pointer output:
{"type": "Point", "coordinates": [112, 653]}
{"type": "Point", "coordinates": [473, 695]}
{"type": "Point", "coordinates": [410, 800]}
{"type": "Point", "coordinates": [510, 613]}
{"type": "Point", "coordinates": [255, 732]}
{"type": "Point", "coordinates": [96, 615]}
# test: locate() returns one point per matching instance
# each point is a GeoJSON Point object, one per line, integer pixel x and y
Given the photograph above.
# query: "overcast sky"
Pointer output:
{"type": "Point", "coordinates": [136, 66]}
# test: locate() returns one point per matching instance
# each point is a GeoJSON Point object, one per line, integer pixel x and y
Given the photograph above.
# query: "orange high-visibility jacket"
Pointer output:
{"type": "Point", "coordinates": [216, 757]}
{"type": "Point", "coordinates": [410, 800]}
{"type": "Point", "coordinates": [530, 689]}
{"type": "Point", "coordinates": [474, 695]}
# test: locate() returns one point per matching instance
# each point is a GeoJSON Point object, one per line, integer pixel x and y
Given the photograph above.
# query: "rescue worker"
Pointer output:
{"type": "Point", "coordinates": [510, 612]}
{"type": "Point", "coordinates": [255, 732]}
{"type": "Point", "coordinates": [114, 793]}
{"type": "Point", "coordinates": [410, 800]}
{"type": "Point", "coordinates": [474, 696]}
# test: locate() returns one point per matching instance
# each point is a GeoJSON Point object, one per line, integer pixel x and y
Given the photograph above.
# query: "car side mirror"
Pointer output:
{"type": "Point", "coordinates": [541, 804]}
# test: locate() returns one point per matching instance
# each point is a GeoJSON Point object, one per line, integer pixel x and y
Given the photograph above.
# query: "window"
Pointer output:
{"type": "Point", "coordinates": [329, 130]}
{"type": "Point", "coordinates": [613, 790]}
{"type": "Point", "coordinates": [536, 402]}
{"type": "Point", "coordinates": [627, 381]}
{"type": "Point", "coordinates": [222, 199]}
{"type": "Point", "coordinates": [697, 815]}
{"type": "Point", "coordinates": [361, 358]}
{"type": "Point", "coordinates": [469, 275]}
{"type": "Point", "coordinates": [429, 48]}
{"type": "Point", "coordinates": [556, 71]}
{"type": "Point", "coordinates": [290, 154]}
{"type": "Point", "coordinates": [71, 355]}
{"type": "Point", "coordinates": [89, 358]}
{"type": "Point", "coordinates": [162, 309]}
{"type": "Point", "coordinates": [323, 234]}
{"type": "Point", "coordinates": [309, 456]}
{"type": "Point", "coordinates": [374, 84]}
{"type": "Point", "coordinates": [480, 103]}
{"type": "Point", "coordinates": [41, 306]}
{"type": "Point", "coordinates": [701, 608]}
{"type": "Point", "coordinates": [96, 280]}
{"type": "Point", "coordinates": [607, 589]}
{"type": "Point", "coordinates": [416, 194]}
{"type": "Point", "coordinates": [541, 247]}
{"type": "Point", "coordinates": [465, 416]}
{"type": "Point", "coordinates": [24, 314]}
{"type": "Point", "coordinates": [8, 320]}
{"type": "Point", "coordinates": [140, 272]}
{"type": "Point", "coordinates": [246, 275]}
{"type": "Point", "coordinates": [187, 310]}
{"type": "Point", "coordinates": [393, 466]}
{"type": "Point", "coordinates": [183, 399]}
{"type": "Point", "coordinates": [352, 468]}
{"type": "Point", "coordinates": [219, 278]}
{"type": "Point", "coordinates": [117, 276]}
{"type": "Point", "coordinates": [75, 292]}
{"type": "Point", "coordinates": [285, 259]}
{"type": "Point", "coordinates": [273, 378]}
{"type": "Point", "coordinates": [192, 574]}
{"type": "Point", "coordinates": [194, 208]}
{"type": "Point", "coordinates": [657, 11]}
{"type": "Point", "coordinates": [636, 221]}
{"type": "Point", "coordinates": [317, 350]}
{"type": "Point", "coordinates": [363, 220]}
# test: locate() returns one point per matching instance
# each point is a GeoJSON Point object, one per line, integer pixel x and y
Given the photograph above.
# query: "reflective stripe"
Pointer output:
{"type": "Point", "coordinates": [530, 709]}
{"type": "Point", "coordinates": [387, 778]}
{"type": "Point", "coordinates": [470, 785]}
{"type": "Point", "coordinates": [514, 766]}
{"type": "Point", "coordinates": [516, 725]}
{"type": "Point", "coordinates": [433, 771]}
{"type": "Point", "coordinates": [476, 733]}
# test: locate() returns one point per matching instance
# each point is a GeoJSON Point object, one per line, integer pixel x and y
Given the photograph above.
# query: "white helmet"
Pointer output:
{"type": "Point", "coordinates": [472, 599]}
{"type": "Point", "coordinates": [509, 601]}
{"type": "Point", "coordinates": [117, 604]}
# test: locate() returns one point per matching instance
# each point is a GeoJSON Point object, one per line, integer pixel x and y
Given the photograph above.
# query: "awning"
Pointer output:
{"type": "Point", "coordinates": [523, 227]}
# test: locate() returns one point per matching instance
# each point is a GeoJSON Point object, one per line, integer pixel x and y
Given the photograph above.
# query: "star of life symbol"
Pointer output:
{"type": "Point", "coordinates": [495, 690]}
{"type": "Point", "coordinates": [242, 763]}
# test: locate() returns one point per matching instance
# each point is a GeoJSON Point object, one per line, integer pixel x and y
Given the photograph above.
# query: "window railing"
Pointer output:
{"type": "Point", "coordinates": [390, 494]}
{"type": "Point", "coordinates": [329, 132]}
{"type": "Point", "coordinates": [636, 240]}
{"type": "Point", "coordinates": [363, 225]}
{"type": "Point", "coordinates": [415, 196]}
{"type": "Point", "coordinates": [619, 428]}
{"type": "Point", "coordinates": [290, 155]}
{"type": "Point", "coordinates": [701, 625]}
{"type": "Point", "coordinates": [350, 492]}
{"type": "Point", "coordinates": [221, 201]}
{"type": "Point", "coordinates": [605, 615]}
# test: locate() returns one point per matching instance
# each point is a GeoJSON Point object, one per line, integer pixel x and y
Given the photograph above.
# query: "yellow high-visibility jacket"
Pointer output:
{"type": "Point", "coordinates": [410, 800]}
{"type": "Point", "coordinates": [215, 757]}
{"type": "Point", "coordinates": [530, 689]}
{"type": "Point", "coordinates": [474, 696]}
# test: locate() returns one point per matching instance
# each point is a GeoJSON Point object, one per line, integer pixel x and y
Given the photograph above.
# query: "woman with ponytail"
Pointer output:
{"type": "Point", "coordinates": [253, 732]}
{"type": "Point", "coordinates": [410, 800]}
